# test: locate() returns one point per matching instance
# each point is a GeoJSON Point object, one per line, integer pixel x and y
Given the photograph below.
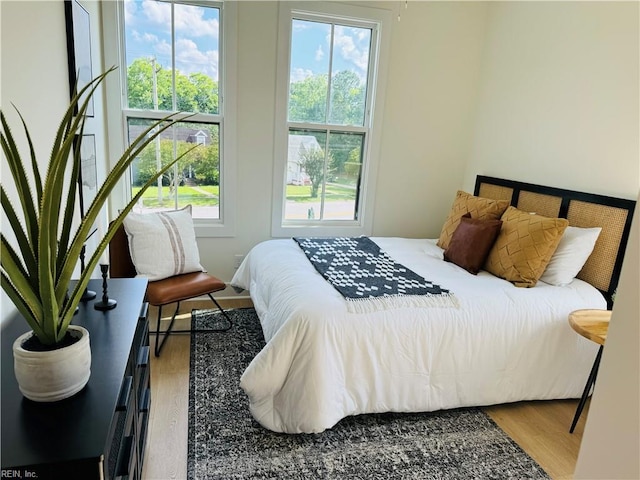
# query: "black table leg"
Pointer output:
{"type": "Point", "coordinates": [590, 381]}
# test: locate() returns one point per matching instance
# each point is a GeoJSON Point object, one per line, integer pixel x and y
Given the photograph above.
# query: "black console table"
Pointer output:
{"type": "Point", "coordinates": [100, 432]}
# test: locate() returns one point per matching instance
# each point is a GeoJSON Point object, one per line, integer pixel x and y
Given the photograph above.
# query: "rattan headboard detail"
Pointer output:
{"type": "Point", "coordinates": [613, 215]}
{"type": "Point", "coordinates": [497, 192]}
{"type": "Point", "coordinates": [547, 205]}
{"type": "Point", "coordinates": [599, 269]}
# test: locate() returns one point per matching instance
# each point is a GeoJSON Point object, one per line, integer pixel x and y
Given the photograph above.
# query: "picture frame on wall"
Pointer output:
{"type": "Point", "coordinates": [88, 174]}
{"type": "Point", "coordinates": [78, 24]}
{"type": "Point", "coordinates": [85, 148]}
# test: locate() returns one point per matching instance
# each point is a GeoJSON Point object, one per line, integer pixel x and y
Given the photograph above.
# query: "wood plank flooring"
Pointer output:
{"type": "Point", "coordinates": [540, 428]}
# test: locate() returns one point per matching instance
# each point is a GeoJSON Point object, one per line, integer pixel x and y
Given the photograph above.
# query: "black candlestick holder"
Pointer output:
{"type": "Point", "coordinates": [106, 303]}
{"type": "Point", "coordinates": [87, 294]}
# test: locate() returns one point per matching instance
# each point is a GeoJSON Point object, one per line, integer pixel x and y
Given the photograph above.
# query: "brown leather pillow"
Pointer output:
{"type": "Point", "coordinates": [524, 246]}
{"type": "Point", "coordinates": [479, 207]}
{"type": "Point", "coordinates": [471, 242]}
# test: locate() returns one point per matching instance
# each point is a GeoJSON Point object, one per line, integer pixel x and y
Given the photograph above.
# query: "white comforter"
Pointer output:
{"type": "Point", "coordinates": [322, 363]}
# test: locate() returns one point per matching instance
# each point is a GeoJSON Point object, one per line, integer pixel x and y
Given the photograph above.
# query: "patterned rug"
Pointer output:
{"type": "Point", "coordinates": [225, 442]}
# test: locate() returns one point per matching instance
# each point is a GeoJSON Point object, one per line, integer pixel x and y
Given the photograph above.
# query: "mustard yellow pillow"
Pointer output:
{"type": "Point", "coordinates": [524, 246]}
{"type": "Point", "coordinates": [480, 209]}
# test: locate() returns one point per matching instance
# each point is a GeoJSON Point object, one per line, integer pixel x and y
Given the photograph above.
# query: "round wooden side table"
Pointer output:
{"type": "Point", "coordinates": [594, 325]}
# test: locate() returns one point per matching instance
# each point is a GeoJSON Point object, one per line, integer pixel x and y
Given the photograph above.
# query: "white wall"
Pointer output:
{"type": "Point", "coordinates": [34, 78]}
{"type": "Point", "coordinates": [558, 103]}
{"type": "Point", "coordinates": [431, 87]}
{"type": "Point", "coordinates": [33, 70]}
{"type": "Point", "coordinates": [611, 439]}
{"type": "Point", "coordinates": [544, 92]}
{"type": "Point", "coordinates": [255, 130]}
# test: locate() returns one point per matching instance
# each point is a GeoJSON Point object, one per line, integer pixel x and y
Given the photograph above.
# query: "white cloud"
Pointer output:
{"type": "Point", "coordinates": [319, 53]}
{"type": "Point", "coordinates": [188, 19]}
{"type": "Point", "coordinates": [213, 62]}
{"type": "Point", "coordinates": [163, 48]}
{"type": "Point", "coordinates": [300, 25]}
{"type": "Point", "coordinates": [130, 10]}
{"type": "Point", "coordinates": [349, 50]}
{"type": "Point", "coordinates": [299, 74]}
{"type": "Point", "coordinates": [146, 37]}
{"type": "Point", "coordinates": [187, 49]}
{"type": "Point", "coordinates": [189, 59]}
{"type": "Point", "coordinates": [195, 35]}
{"type": "Point", "coordinates": [363, 35]}
{"type": "Point", "coordinates": [157, 13]}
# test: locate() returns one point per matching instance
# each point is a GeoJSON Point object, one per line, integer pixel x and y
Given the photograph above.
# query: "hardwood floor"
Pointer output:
{"type": "Point", "coordinates": [166, 449]}
{"type": "Point", "coordinates": [540, 428]}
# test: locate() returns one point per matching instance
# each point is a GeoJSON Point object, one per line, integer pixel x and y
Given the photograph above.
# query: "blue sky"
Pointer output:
{"type": "Point", "coordinates": [148, 35]}
{"type": "Point", "coordinates": [197, 30]}
{"type": "Point", "coordinates": [311, 48]}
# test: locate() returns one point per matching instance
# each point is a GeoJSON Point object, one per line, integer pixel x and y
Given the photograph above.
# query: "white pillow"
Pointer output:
{"type": "Point", "coordinates": [163, 244]}
{"type": "Point", "coordinates": [573, 251]}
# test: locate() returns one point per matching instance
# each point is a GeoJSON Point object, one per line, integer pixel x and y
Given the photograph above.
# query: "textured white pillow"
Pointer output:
{"type": "Point", "coordinates": [163, 244]}
{"type": "Point", "coordinates": [573, 251]}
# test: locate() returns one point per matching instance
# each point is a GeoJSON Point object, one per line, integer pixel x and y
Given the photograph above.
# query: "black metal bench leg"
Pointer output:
{"type": "Point", "coordinates": [223, 313]}
{"type": "Point", "coordinates": [213, 330]}
{"type": "Point", "coordinates": [590, 381]}
{"type": "Point", "coordinates": [167, 332]}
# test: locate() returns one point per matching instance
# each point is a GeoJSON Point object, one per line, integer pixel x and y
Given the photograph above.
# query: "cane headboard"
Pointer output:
{"type": "Point", "coordinates": [613, 215]}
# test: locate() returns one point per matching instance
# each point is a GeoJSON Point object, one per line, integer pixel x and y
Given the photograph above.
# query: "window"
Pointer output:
{"type": "Point", "coordinates": [172, 60]}
{"type": "Point", "coordinates": [326, 116]}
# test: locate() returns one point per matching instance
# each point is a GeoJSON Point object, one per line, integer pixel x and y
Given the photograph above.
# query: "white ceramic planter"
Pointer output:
{"type": "Point", "coordinates": [53, 375]}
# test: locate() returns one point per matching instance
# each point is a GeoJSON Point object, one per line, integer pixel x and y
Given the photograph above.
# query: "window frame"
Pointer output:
{"type": "Point", "coordinates": [117, 110]}
{"type": "Point", "coordinates": [381, 22]}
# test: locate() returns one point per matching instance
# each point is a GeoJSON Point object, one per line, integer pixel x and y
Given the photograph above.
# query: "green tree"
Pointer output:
{"type": "Point", "coordinates": [186, 93]}
{"type": "Point", "coordinates": [308, 100]}
{"type": "Point", "coordinates": [146, 164]}
{"type": "Point", "coordinates": [139, 84]}
{"type": "Point", "coordinates": [347, 99]}
{"type": "Point", "coordinates": [308, 103]}
{"type": "Point", "coordinates": [353, 165]}
{"type": "Point", "coordinates": [194, 93]}
{"type": "Point", "coordinates": [341, 146]}
{"type": "Point", "coordinates": [206, 93]}
{"type": "Point", "coordinates": [202, 164]}
{"type": "Point", "coordinates": [312, 161]}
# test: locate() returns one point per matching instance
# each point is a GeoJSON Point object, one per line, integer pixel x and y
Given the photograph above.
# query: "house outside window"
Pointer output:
{"type": "Point", "coordinates": [201, 138]}
{"type": "Point", "coordinates": [328, 122]}
{"type": "Point", "coordinates": [172, 59]}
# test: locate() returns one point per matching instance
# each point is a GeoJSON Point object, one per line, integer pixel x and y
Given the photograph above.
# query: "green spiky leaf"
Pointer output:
{"type": "Point", "coordinates": [36, 272]}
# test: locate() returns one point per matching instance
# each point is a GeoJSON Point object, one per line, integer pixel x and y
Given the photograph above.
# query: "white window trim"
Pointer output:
{"type": "Point", "coordinates": [364, 224]}
{"type": "Point", "coordinates": [116, 132]}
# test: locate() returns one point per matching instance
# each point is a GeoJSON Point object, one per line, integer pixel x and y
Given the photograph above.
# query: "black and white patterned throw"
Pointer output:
{"type": "Point", "coordinates": [367, 277]}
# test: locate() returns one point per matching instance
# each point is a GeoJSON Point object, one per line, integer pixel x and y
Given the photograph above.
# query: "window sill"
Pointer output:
{"type": "Point", "coordinates": [292, 230]}
{"type": "Point", "coordinates": [204, 230]}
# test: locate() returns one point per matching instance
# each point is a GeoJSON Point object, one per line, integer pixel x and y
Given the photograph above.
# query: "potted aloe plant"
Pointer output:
{"type": "Point", "coordinates": [37, 274]}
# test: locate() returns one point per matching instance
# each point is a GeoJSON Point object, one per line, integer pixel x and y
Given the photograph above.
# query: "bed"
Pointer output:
{"type": "Point", "coordinates": [494, 343]}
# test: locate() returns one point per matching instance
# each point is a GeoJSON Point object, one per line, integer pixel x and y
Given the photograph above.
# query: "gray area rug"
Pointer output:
{"type": "Point", "coordinates": [225, 442]}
